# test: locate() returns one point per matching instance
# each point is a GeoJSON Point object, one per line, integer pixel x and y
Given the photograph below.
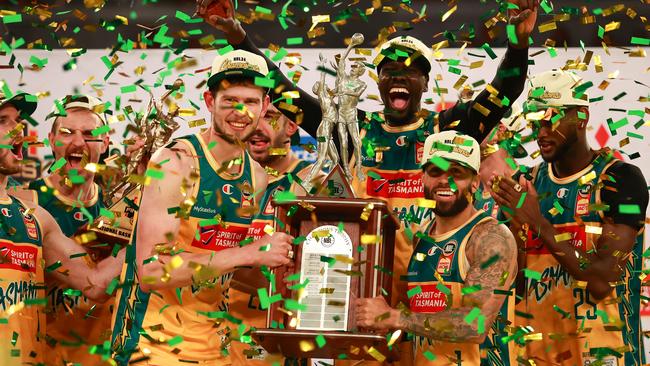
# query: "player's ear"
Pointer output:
{"type": "Point", "coordinates": [208, 97]}
{"type": "Point", "coordinates": [292, 127]}
{"type": "Point", "coordinates": [476, 182]}
{"type": "Point", "coordinates": [265, 105]}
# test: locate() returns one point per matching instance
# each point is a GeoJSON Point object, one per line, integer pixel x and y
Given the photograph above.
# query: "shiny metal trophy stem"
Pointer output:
{"type": "Point", "coordinates": [155, 129]}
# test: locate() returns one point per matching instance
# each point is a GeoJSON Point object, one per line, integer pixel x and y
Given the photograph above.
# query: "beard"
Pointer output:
{"type": "Point", "coordinates": [231, 139]}
{"type": "Point", "coordinates": [450, 209]}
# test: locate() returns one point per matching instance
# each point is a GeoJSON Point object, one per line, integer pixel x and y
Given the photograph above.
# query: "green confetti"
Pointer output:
{"type": "Point", "coordinates": [285, 196]}
{"type": "Point", "coordinates": [53, 266]}
{"type": "Point", "coordinates": [57, 165]}
{"type": "Point", "coordinates": [429, 356]}
{"type": "Point", "coordinates": [264, 82]}
{"type": "Point", "coordinates": [522, 198]}
{"type": "Point", "coordinates": [112, 286]}
{"type": "Point", "coordinates": [106, 213]}
{"type": "Point", "coordinates": [291, 304]}
{"type": "Point", "coordinates": [264, 298]}
{"type": "Point", "coordinates": [486, 47]}
{"type": "Point", "coordinates": [128, 89]}
{"type": "Point", "coordinates": [374, 175]}
{"type": "Point", "coordinates": [481, 324]}
{"type": "Point", "coordinates": [414, 291]}
{"type": "Point", "coordinates": [320, 341]}
{"type": "Point", "coordinates": [640, 41]}
{"type": "Point", "coordinates": [72, 292]}
{"type": "Point", "coordinates": [36, 301]}
{"type": "Point", "coordinates": [490, 261]}
{"type": "Point", "coordinates": [101, 130]}
{"type": "Point", "coordinates": [512, 34]}
{"type": "Point", "coordinates": [175, 340]}
{"type": "Point", "coordinates": [533, 275]}
{"type": "Point", "coordinates": [12, 18]}
{"type": "Point", "coordinates": [442, 288]}
{"type": "Point", "coordinates": [440, 162]}
{"type": "Point", "coordinates": [294, 41]}
{"type": "Point", "coordinates": [473, 314]}
{"type": "Point", "coordinates": [155, 174]}
{"type": "Point", "coordinates": [471, 289]}
{"type": "Point", "coordinates": [629, 209]}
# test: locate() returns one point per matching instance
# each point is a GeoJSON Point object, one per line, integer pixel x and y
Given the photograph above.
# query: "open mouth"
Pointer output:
{"type": "Point", "coordinates": [259, 142]}
{"type": "Point", "coordinates": [398, 98]}
{"type": "Point", "coordinates": [75, 159]}
{"type": "Point", "coordinates": [545, 146]}
{"type": "Point", "coordinates": [17, 149]}
{"type": "Point", "coordinates": [444, 195]}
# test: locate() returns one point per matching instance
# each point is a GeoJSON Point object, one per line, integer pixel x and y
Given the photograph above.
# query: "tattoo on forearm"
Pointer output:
{"type": "Point", "coordinates": [492, 255]}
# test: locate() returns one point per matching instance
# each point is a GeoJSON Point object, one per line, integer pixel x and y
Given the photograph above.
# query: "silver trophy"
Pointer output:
{"type": "Point", "coordinates": [348, 89]}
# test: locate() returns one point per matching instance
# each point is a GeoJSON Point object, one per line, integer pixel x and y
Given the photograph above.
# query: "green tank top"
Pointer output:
{"type": "Point", "coordinates": [219, 219]}
{"type": "Point", "coordinates": [571, 205]}
{"type": "Point", "coordinates": [69, 214]}
{"type": "Point", "coordinates": [391, 161]}
{"type": "Point", "coordinates": [282, 183]}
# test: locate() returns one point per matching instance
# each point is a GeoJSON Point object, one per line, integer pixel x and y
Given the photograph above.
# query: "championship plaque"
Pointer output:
{"type": "Point", "coordinates": [347, 254]}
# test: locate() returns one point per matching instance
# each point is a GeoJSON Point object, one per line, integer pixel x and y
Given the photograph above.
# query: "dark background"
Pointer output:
{"type": "Point", "coordinates": [100, 28]}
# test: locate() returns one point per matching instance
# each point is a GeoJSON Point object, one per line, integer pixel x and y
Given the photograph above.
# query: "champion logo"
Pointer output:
{"type": "Point", "coordinates": [227, 189]}
{"type": "Point", "coordinates": [562, 192]}
{"type": "Point", "coordinates": [78, 216]}
{"type": "Point", "coordinates": [401, 141]}
{"type": "Point", "coordinates": [6, 212]}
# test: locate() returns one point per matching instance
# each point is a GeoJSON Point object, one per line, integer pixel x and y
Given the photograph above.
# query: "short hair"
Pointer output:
{"type": "Point", "coordinates": [75, 109]}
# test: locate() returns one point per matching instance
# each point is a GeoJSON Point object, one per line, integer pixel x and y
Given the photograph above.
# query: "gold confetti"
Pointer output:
{"type": "Point", "coordinates": [593, 229]}
{"type": "Point", "coordinates": [562, 237]}
{"type": "Point", "coordinates": [445, 16]}
{"type": "Point", "coordinates": [368, 239]}
{"type": "Point", "coordinates": [425, 203]}
{"type": "Point", "coordinates": [374, 352]}
{"type": "Point", "coordinates": [587, 178]}
{"type": "Point", "coordinates": [306, 346]}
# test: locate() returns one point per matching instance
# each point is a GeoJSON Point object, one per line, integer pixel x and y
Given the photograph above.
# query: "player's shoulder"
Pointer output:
{"type": "Point", "coordinates": [490, 231]}
{"type": "Point", "coordinates": [625, 171]}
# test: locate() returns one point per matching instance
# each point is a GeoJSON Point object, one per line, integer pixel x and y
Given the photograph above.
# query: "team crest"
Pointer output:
{"type": "Point", "coordinates": [419, 151]}
{"type": "Point", "coordinates": [30, 224]}
{"type": "Point", "coordinates": [450, 248]}
{"type": "Point", "coordinates": [582, 200]}
{"type": "Point", "coordinates": [246, 190]}
{"type": "Point", "coordinates": [444, 265]}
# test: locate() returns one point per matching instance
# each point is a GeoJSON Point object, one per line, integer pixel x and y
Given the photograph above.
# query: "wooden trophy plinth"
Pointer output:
{"type": "Point", "coordinates": [347, 254]}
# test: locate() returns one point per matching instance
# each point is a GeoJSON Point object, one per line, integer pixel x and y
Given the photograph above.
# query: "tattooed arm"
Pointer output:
{"type": "Point", "coordinates": [491, 246]}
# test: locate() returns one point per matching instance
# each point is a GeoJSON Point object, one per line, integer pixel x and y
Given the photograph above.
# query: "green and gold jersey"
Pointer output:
{"type": "Point", "coordinates": [22, 286]}
{"type": "Point", "coordinates": [442, 259]}
{"type": "Point", "coordinates": [92, 320]}
{"type": "Point", "coordinates": [151, 324]}
{"type": "Point", "coordinates": [574, 328]}
{"type": "Point", "coordinates": [247, 307]}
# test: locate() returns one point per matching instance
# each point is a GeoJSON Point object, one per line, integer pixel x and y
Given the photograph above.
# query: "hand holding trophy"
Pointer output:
{"type": "Point", "coordinates": [155, 128]}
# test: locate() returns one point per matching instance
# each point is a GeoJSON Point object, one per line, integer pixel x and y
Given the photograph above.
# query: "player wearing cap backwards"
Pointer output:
{"type": "Point", "coordinates": [72, 197]}
{"type": "Point", "coordinates": [584, 216]}
{"type": "Point", "coordinates": [190, 228]}
{"type": "Point", "coordinates": [463, 264]}
{"type": "Point", "coordinates": [270, 146]}
{"type": "Point", "coordinates": [31, 243]}
{"type": "Point", "coordinates": [395, 138]}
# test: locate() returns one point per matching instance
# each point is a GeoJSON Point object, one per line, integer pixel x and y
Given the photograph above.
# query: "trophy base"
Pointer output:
{"type": "Point", "coordinates": [356, 346]}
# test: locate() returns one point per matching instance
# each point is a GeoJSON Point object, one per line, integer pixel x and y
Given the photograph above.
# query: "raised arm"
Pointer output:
{"type": "Point", "coordinates": [308, 108]}
{"type": "Point", "coordinates": [477, 117]}
{"type": "Point", "coordinates": [73, 270]}
{"type": "Point", "coordinates": [155, 265]}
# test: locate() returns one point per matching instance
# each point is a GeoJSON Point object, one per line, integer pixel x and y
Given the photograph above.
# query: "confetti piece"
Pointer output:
{"type": "Point", "coordinates": [414, 291]}
{"type": "Point", "coordinates": [57, 165]}
{"type": "Point", "coordinates": [101, 130]}
{"type": "Point", "coordinates": [629, 209]}
{"type": "Point", "coordinates": [562, 237]}
{"type": "Point", "coordinates": [534, 275]}
{"type": "Point", "coordinates": [320, 341]}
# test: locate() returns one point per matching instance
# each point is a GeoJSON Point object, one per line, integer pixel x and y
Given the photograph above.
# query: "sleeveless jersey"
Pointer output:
{"type": "Point", "coordinates": [247, 306]}
{"type": "Point", "coordinates": [194, 313]}
{"type": "Point", "coordinates": [391, 162]}
{"type": "Point", "coordinates": [93, 321]}
{"type": "Point", "coordinates": [443, 257]}
{"type": "Point", "coordinates": [22, 286]}
{"type": "Point", "coordinates": [575, 329]}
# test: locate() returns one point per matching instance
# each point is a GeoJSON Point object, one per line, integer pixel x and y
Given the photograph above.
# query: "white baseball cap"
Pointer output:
{"type": "Point", "coordinates": [556, 88]}
{"type": "Point", "coordinates": [84, 101]}
{"type": "Point", "coordinates": [453, 146]}
{"type": "Point", "coordinates": [237, 63]}
{"type": "Point", "coordinates": [408, 44]}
